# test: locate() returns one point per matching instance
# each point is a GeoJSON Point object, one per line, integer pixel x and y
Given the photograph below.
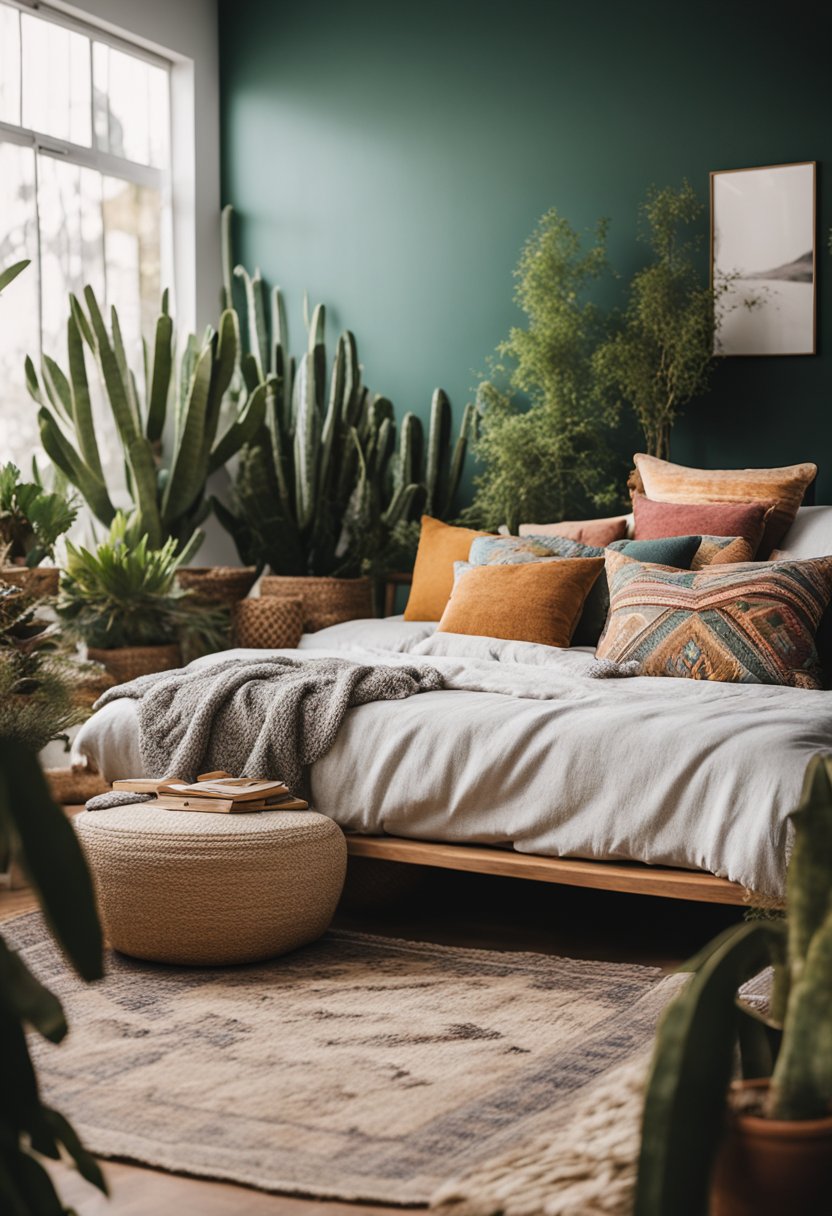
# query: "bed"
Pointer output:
{"type": "Point", "coordinates": [525, 764]}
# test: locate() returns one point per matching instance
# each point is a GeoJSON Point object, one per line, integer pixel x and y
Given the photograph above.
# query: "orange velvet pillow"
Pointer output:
{"type": "Point", "coordinates": [528, 602]}
{"type": "Point", "coordinates": [440, 545]}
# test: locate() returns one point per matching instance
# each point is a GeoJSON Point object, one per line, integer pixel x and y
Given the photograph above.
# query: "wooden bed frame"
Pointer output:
{"type": "Point", "coordinates": [630, 877]}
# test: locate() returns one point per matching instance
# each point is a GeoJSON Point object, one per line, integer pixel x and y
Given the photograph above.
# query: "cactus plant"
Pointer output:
{"type": "Point", "coordinates": [168, 494]}
{"type": "Point", "coordinates": [705, 1025]}
{"type": "Point", "coordinates": [323, 486]}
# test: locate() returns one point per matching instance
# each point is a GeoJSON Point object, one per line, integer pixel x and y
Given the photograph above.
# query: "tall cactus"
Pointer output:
{"type": "Point", "coordinates": [168, 494]}
{"type": "Point", "coordinates": [323, 484]}
{"type": "Point", "coordinates": [704, 1025]}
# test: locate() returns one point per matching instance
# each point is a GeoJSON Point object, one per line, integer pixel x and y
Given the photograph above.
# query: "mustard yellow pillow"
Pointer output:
{"type": "Point", "coordinates": [440, 545]}
{"type": "Point", "coordinates": [530, 602]}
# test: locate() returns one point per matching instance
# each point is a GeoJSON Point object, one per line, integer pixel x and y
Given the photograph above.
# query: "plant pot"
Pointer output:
{"type": "Point", "coordinates": [127, 662]}
{"type": "Point", "coordinates": [770, 1167]}
{"type": "Point", "coordinates": [39, 581]}
{"type": "Point", "coordinates": [217, 584]}
{"type": "Point", "coordinates": [326, 601]}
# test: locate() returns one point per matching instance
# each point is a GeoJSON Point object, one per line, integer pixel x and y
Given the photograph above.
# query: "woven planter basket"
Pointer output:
{"type": "Point", "coordinates": [217, 584]}
{"type": "Point", "coordinates": [39, 582]}
{"type": "Point", "coordinates": [326, 601]}
{"type": "Point", "coordinates": [127, 662]}
{"type": "Point", "coordinates": [71, 788]}
{"type": "Point", "coordinates": [267, 623]}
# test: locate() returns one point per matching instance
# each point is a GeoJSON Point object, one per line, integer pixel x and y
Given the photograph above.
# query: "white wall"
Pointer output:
{"type": "Point", "coordinates": [186, 31]}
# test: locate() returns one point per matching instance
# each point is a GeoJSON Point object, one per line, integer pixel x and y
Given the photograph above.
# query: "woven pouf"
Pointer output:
{"type": "Point", "coordinates": [267, 623]}
{"type": "Point", "coordinates": [206, 888]}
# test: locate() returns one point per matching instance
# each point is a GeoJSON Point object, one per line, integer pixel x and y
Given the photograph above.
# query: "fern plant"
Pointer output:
{"type": "Point", "coordinates": [31, 519]}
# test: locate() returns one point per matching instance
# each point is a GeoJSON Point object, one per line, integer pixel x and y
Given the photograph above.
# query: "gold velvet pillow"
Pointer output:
{"type": "Point", "coordinates": [530, 602]}
{"type": "Point", "coordinates": [440, 545]}
{"type": "Point", "coordinates": [663, 481]}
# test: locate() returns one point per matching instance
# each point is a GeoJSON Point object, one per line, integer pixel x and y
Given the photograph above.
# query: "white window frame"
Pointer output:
{"type": "Point", "coordinates": [91, 157]}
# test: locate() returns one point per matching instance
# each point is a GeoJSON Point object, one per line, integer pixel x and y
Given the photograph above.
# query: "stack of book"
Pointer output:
{"type": "Point", "coordinates": [215, 792]}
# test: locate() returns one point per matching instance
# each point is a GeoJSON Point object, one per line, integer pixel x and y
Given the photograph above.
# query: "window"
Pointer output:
{"type": "Point", "coordinates": [84, 193]}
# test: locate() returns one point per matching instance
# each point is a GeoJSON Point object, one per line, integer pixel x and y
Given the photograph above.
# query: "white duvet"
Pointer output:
{"type": "Point", "coordinates": [522, 748]}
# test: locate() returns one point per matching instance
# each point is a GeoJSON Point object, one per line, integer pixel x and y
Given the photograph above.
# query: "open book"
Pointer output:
{"type": "Point", "coordinates": [215, 792]}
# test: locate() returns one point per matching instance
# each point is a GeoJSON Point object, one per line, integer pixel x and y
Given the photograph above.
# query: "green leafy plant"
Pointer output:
{"type": "Point", "coordinates": [663, 354]}
{"type": "Point", "coordinates": [706, 1025]}
{"type": "Point", "coordinates": [31, 520]}
{"type": "Point", "coordinates": [11, 272]}
{"type": "Point", "coordinates": [544, 438]}
{"type": "Point", "coordinates": [125, 593]}
{"type": "Point", "coordinates": [322, 487]}
{"type": "Point", "coordinates": [29, 1129]}
{"type": "Point", "coordinates": [168, 494]}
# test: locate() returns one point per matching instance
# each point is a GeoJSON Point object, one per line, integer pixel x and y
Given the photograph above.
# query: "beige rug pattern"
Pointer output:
{"type": "Point", "coordinates": [357, 1068]}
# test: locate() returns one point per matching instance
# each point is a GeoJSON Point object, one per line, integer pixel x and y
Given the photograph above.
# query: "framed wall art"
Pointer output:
{"type": "Point", "coordinates": [763, 259]}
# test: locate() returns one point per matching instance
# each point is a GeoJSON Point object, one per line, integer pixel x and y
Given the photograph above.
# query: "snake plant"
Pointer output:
{"type": "Point", "coordinates": [324, 485]}
{"type": "Point", "coordinates": [707, 1023]}
{"type": "Point", "coordinates": [168, 493]}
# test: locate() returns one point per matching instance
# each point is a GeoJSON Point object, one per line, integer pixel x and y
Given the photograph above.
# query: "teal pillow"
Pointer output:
{"type": "Point", "coordinates": [676, 551]}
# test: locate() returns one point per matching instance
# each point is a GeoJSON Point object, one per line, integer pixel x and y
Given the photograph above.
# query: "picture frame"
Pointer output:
{"type": "Point", "coordinates": [764, 259]}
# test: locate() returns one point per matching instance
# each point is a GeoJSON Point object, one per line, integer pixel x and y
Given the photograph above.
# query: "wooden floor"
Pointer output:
{"type": "Point", "coordinates": [475, 910]}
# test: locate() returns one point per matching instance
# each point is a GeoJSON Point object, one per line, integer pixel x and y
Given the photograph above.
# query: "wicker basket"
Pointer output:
{"type": "Point", "coordinates": [326, 601]}
{"type": "Point", "coordinates": [127, 662]}
{"type": "Point", "coordinates": [39, 582]}
{"type": "Point", "coordinates": [71, 787]}
{"type": "Point", "coordinates": [217, 584]}
{"type": "Point", "coordinates": [267, 623]}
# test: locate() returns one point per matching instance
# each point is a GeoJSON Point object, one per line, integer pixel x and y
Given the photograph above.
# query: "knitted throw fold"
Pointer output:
{"type": "Point", "coordinates": [266, 717]}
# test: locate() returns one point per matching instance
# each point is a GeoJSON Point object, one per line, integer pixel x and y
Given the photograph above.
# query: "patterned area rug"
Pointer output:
{"type": "Point", "coordinates": [357, 1068]}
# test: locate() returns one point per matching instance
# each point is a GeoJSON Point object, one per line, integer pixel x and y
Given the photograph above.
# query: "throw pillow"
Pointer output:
{"type": "Point", "coordinates": [678, 551]}
{"type": "Point", "coordinates": [749, 624]}
{"type": "Point", "coordinates": [440, 545]}
{"type": "Point", "coordinates": [809, 536]}
{"type": "Point", "coordinates": [722, 551]}
{"type": "Point", "coordinates": [513, 550]}
{"type": "Point", "coordinates": [660, 519]}
{"type": "Point", "coordinates": [599, 532]}
{"type": "Point", "coordinates": [528, 602]}
{"type": "Point", "coordinates": [785, 487]}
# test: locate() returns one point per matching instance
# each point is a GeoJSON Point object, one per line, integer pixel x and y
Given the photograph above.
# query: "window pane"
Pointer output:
{"type": "Point", "coordinates": [56, 80]}
{"type": "Point", "coordinates": [131, 106]}
{"type": "Point", "coordinates": [132, 249]}
{"type": "Point", "coordinates": [18, 304]}
{"type": "Point", "coordinates": [72, 245]}
{"type": "Point", "coordinates": [9, 64]}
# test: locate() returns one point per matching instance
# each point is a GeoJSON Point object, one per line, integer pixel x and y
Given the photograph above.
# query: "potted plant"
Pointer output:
{"type": "Point", "coordinates": [321, 491]}
{"type": "Point", "coordinates": [31, 521]}
{"type": "Point", "coordinates": [122, 600]}
{"type": "Point", "coordinates": [769, 1135]}
{"type": "Point", "coordinates": [168, 490]}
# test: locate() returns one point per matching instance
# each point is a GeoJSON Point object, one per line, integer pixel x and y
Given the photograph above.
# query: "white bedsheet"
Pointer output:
{"type": "Point", "coordinates": [522, 748]}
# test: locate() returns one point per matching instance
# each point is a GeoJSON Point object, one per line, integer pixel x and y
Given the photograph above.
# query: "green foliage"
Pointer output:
{"type": "Point", "coordinates": [544, 438]}
{"type": "Point", "coordinates": [662, 355]}
{"type": "Point", "coordinates": [703, 1027]}
{"type": "Point", "coordinates": [11, 272]}
{"type": "Point", "coordinates": [322, 486]}
{"type": "Point", "coordinates": [168, 494]}
{"type": "Point", "coordinates": [49, 850]}
{"type": "Point", "coordinates": [31, 520]}
{"type": "Point", "coordinates": [125, 592]}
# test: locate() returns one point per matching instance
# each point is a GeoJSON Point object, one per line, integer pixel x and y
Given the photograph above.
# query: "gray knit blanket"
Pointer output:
{"type": "Point", "coordinates": [269, 717]}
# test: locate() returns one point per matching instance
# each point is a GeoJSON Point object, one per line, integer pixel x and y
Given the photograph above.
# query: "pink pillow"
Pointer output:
{"type": "Point", "coordinates": [658, 519]}
{"type": "Point", "coordinates": [598, 532]}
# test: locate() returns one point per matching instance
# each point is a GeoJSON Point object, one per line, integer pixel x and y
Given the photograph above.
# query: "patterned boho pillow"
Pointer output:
{"type": "Point", "coordinates": [722, 551]}
{"type": "Point", "coordinates": [748, 624]}
{"type": "Point", "coordinates": [664, 481]}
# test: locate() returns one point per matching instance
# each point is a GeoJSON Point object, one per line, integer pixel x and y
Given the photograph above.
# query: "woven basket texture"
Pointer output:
{"type": "Point", "coordinates": [217, 584]}
{"type": "Point", "coordinates": [71, 788]}
{"type": "Point", "coordinates": [127, 662]}
{"type": "Point", "coordinates": [326, 601]}
{"type": "Point", "coordinates": [204, 889]}
{"type": "Point", "coordinates": [41, 581]}
{"type": "Point", "coordinates": [267, 623]}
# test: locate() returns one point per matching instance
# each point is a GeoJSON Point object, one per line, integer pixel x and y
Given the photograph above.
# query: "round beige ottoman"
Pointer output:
{"type": "Point", "coordinates": [205, 889]}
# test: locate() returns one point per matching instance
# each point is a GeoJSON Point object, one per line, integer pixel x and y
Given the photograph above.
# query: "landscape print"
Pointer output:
{"type": "Point", "coordinates": [763, 250]}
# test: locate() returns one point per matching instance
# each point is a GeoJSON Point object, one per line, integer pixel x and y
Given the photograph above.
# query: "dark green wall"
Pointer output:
{"type": "Point", "coordinates": [392, 158]}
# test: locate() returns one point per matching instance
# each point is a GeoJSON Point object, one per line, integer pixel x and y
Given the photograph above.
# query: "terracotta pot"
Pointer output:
{"type": "Point", "coordinates": [326, 601]}
{"type": "Point", "coordinates": [39, 581]}
{"type": "Point", "coordinates": [127, 662]}
{"type": "Point", "coordinates": [770, 1167]}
